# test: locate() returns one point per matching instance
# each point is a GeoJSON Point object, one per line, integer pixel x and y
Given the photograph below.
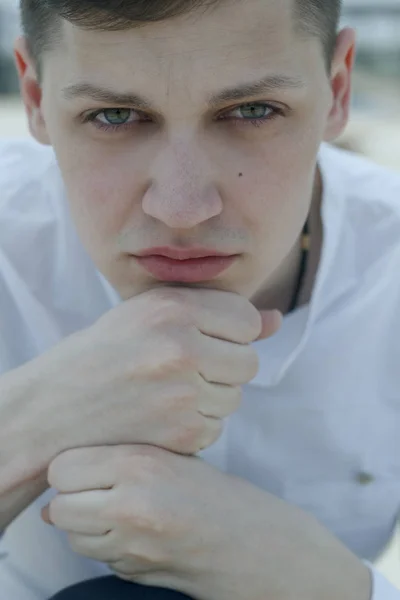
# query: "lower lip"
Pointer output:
{"type": "Point", "coordinates": [193, 270]}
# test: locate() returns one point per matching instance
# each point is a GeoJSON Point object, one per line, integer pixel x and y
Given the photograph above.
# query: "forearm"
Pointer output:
{"type": "Point", "coordinates": [23, 452]}
{"type": "Point", "coordinates": [13, 503]}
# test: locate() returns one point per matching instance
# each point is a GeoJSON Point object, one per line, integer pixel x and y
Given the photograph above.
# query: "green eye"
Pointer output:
{"type": "Point", "coordinates": [254, 111]}
{"type": "Point", "coordinates": [117, 116]}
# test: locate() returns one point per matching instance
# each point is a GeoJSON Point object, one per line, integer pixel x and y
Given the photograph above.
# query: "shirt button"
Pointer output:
{"type": "Point", "coordinates": [364, 478]}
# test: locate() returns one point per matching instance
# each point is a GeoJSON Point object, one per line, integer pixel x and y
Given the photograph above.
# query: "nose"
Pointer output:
{"type": "Point", "coordinates": [182, 194]}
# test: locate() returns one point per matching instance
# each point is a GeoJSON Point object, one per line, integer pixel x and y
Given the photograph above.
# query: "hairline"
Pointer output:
{"type": "Point", "coordinates": [302, 26]}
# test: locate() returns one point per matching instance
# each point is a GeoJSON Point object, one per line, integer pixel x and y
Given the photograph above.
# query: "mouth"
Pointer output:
{"type": "Point", "coordinates": [175, 265]}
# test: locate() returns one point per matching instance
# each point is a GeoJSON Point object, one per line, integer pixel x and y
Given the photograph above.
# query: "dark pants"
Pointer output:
{"type": "Point", "coordinates": [112, 588]}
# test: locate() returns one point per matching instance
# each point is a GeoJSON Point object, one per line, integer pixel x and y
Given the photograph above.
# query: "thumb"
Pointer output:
{"type": "Point", "coordinates": [271, 323]}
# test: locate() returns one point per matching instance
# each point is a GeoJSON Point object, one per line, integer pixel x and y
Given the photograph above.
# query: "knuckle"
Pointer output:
{"type": "Point", "coordinates": [148, 518]}
{"type": "Point", "coordinates": [188, 439]}
{"type": "Point", "coordinates": [212, 434]}
{"type": "Point", "coordinates": [168, 293]}
{"type": "Point", "coordinates": [169, 306]}
{"type": "Point", "coordinates": [171, 355]}
{"type": "Point", "coordinates": [183, 398]}
{"type": "Point", "coordinates": [194, 438]}
{"type": "Point", "coordinates": [178, 355]}
{"type": "Point", "coordinates": [144, 517]}
{"type": "Point", "coordinates": [140, 465]}
{"type": "Point", "coordinates": [175, 356]}
{"type": "Point", "coordinates": [250, 317]}
{"type": "Point", "coordinates": [119, 511]}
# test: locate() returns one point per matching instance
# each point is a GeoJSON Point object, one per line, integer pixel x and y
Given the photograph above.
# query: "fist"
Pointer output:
{"type": "Point", "coordinates": [163, 369]}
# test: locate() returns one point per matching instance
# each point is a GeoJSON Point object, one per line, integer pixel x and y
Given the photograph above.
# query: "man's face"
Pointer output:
{"type": "Point", "coordinates": [191, 162]}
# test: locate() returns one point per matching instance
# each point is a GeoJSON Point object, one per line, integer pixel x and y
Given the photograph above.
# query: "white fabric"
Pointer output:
{"type": "Point", "coordinates": [324, 407]}
{"type": "Point", "coordinates": [381, 588]}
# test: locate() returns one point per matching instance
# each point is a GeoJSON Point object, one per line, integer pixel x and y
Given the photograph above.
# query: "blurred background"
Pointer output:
{"type": "Point", "coordinates": [374, 128]}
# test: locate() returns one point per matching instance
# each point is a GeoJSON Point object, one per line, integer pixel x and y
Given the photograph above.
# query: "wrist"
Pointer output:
{"type": "Point", "coordinates": [329, 569]}
{"type": "Point", "coordinates": [25, 450]}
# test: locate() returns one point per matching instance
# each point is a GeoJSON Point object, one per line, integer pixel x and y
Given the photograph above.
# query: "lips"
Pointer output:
{"type": "Point", "coordinates": [193, 265]}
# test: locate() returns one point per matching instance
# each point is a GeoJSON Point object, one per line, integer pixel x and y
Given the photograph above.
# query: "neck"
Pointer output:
{"type": "Point", "coordinates": [282, 286]}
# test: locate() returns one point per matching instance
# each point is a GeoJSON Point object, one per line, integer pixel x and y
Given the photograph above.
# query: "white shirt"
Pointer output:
{"type": "Point", "coordinates": [325, 406]}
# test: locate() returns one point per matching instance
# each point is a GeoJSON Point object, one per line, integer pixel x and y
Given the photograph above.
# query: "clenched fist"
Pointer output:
{"type": "Point", "coordinates": [164, 368]}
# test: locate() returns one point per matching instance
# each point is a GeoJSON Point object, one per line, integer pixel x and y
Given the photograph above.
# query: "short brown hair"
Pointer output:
{"type": "Point", "coordinates": [40, 18]}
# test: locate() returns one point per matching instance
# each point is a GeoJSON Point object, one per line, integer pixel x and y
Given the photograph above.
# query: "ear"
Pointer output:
{"type": "Point", "coordinates": [341, 71]}
{"type": "Point", "coordinates": [30, 91]}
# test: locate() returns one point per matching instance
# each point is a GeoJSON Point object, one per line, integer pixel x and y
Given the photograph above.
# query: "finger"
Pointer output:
{"type": "Point", "coordinates": [148, 577]}
{"type": "Point", "coordinates": [81, 513]}
{"type": "Point", "coordinates": [220, 314]}
{"type": "Point", "coordinates": [225, 362]}
{"type": "Point", "coordinates": [212, 432]}
{"type": "Point", "coordinates": [100, 548]}
{"type": "Point", "coordinates": [271, 323]}
{"type": "Point", "coordinates": [84, 469]}
{"type": "Point", "coordinates": [132, 572]}
{"type": "Point", "coordinates": [218, 401]}
{"type": "Point", "coordinates": [139, 570]}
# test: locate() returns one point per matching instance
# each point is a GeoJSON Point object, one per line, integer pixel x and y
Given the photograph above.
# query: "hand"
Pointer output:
{"type": "Point", "coordinates": [173, 521]}
{"type": "Point", "coordinates": [164, 368]}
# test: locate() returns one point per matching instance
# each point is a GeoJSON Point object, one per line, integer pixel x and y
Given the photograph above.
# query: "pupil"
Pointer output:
{"type": "Point", "coordinates": [117, 116]}
{"type": "Point", "coordinates": [253, 111]}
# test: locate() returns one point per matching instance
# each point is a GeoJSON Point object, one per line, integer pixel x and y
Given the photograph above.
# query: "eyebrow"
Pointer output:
{"type": "Point", "coordinates": [266, 85]}
{"type": "Point", "coordinates": [100, 94]}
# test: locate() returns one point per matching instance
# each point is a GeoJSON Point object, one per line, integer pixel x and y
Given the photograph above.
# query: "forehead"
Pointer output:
{"type": "Point", "coordinates": [235, 40]}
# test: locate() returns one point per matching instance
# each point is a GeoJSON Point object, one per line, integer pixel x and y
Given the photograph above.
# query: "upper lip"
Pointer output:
{"type": "Point", "coordinates": [181, 253]}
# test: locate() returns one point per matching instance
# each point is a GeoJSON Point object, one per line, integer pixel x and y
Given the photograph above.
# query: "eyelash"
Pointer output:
{"type": "Point", "coordinates": [256, 122]}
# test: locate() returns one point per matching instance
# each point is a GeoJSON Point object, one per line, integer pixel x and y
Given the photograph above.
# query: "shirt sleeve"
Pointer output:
{"type": "Point", "coordinates": [381, 588]}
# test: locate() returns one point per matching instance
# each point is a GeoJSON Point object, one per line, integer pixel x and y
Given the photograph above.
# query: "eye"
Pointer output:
{"type": "Point", "coordinates": [116, 116]}
{"type": "Point", "coordinates": [115, 119]}
{"type": "Point", "coordinates": [254, 113]}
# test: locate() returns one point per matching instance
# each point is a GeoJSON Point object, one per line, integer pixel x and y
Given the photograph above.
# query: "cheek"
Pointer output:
{"type": "Point", "coordinates": [97, 205]}
{"type": "Point", "coordinates": [282, 162]}
{"type": "Point", "coordinates": [275, 183]}
{"type": "Point", "coordinates": [102, 177]}
{"type": "Point", "coordinates": [101, 188]}
{"type": "Point", "coordinates": [274, 194]}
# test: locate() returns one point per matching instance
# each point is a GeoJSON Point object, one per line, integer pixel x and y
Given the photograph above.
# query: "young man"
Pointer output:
{"type": "Point", "coordinates": [180, 197]}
